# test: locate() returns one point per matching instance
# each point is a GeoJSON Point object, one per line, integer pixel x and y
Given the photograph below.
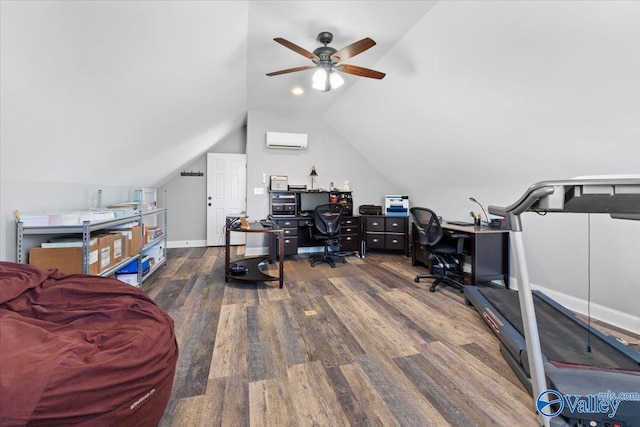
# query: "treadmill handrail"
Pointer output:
{"type": "Point", "coordinates": [537, 192]}
{"type": "Point", "coordinates": [525, 202]}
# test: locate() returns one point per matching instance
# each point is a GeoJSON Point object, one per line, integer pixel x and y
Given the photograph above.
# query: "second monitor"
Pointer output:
{"type": "Point", "coordinates": [309, 200]}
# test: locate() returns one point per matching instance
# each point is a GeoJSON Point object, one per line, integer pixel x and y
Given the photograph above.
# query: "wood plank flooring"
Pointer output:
{"type": "Point", "coordinates": [361, 344]}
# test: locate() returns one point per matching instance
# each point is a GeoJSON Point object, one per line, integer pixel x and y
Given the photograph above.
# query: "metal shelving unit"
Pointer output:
{"type": "Point", "coordinates": [88, 227]}
{"type": "Point", "coordinates": [161, 239]}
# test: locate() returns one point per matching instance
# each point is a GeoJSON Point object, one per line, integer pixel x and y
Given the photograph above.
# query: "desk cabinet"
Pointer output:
{"type": "Point", "coordinates": [350, 234]}
{"type": "Point", "coordinates": [386, 233]}
{"type": "Point", "coordinates": [297, 234]}
{"type": "Point", "coordinates": [290, 233]}
{"type": "Point", "coordinates": [488, 250]}
{"type": "Point", "coordinates": [284, 203]}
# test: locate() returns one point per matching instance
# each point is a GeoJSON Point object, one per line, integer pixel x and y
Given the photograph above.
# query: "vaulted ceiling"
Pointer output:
{"type": "Point", "coordinates": [130, 91]}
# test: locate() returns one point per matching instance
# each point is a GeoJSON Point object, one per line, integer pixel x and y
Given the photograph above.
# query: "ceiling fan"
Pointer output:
{"type": "Point", "coordinates": [328, 61]}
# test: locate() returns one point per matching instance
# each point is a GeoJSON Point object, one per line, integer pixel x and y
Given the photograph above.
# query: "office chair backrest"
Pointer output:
{"type": "Point", "coordinates": [428, 225]}
{"type": "Point", "coordinates": [327, 218]}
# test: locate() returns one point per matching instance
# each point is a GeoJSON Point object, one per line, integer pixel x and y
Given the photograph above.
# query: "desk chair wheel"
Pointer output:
{"type": "Point", "coordinates": [443, 280]}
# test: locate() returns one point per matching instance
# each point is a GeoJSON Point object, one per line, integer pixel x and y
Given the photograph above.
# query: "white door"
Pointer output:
{"type": "Point", "coordinates": [226, 195]}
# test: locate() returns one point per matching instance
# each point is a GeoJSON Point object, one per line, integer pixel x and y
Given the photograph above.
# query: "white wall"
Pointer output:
{"type": "Point", "coordinates": [187, 205]}
{"type": "Point", "coordinates": [334, 157]}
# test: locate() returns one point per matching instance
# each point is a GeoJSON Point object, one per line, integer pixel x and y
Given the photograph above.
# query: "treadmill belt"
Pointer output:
{"type": "Point", "coordinates": [561, 338]}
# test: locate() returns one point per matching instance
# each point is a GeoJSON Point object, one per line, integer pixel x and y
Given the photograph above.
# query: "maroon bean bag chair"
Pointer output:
{"type": "Point", "coordinates": [81, 350]}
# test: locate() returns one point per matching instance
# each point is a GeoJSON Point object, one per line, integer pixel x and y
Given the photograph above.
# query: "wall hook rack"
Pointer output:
{"type": "Point", "coordinates": [191, 173]}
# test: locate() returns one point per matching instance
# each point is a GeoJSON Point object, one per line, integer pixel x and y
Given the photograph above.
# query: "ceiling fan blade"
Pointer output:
{"type": "Point", "coordinates": [360, 71]}
{"type": "Point", "coordinates": [294, 47]}
{"type": "Point", "coordinates": [291, 70]}
{"type": "Point", "coordinates": [353, 49]}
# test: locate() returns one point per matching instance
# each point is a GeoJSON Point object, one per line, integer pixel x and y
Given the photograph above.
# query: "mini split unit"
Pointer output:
{"type": "Point", "coordinates": [289, 141]}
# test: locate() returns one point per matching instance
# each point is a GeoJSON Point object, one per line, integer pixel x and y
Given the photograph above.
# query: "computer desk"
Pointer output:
{"type": "Point", "coordinates": [489, 252]}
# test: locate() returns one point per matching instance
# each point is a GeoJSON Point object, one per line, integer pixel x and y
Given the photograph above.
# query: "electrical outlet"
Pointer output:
{"type": "Point", "coordinates": [258, 190]}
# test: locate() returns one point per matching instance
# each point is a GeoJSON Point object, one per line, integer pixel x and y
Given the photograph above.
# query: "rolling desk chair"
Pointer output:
{"type": "Point", "coordinates": [326, 228]}
{"type": "Point", "coordinates": [430, 247]}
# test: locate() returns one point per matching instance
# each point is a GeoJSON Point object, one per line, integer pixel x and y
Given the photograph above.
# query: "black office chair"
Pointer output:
{"type": "Point", "coordinates": [431, 246]}
{"type": "Point", "coordinates": [326, 228]}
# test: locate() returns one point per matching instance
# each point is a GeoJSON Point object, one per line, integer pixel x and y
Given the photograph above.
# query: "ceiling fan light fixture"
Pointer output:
{"type": "Point", "coordinates": [321, 79]}
{"type": "Point", "coordinates": [326, 78]}
{"type": "Point", "coordinates": [327, 61]}
{"type": "Point", "coordinates": [336, 80]}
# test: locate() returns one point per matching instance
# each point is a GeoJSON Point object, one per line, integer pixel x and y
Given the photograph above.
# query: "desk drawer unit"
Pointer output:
{"type": "Point", "coordinates": [282, 203]}
{"type": "Point", "coordinates": [290, 230]}
{"type": "Point", "coordinates": [350, 234]}
{"type": "Point", "coordinates": [283, 208]}
{"type": "Point", "coordinates": [386, 233]}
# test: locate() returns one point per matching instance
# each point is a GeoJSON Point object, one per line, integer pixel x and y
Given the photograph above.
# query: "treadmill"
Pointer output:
{"type": "Point", "coordinates": [577, 376]}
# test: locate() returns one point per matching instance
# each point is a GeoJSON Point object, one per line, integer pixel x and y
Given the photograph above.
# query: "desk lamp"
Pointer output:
{"type": "Point", "coordinates": [313, 175]}
{"type": "Point", "coordinates": [481, 207]}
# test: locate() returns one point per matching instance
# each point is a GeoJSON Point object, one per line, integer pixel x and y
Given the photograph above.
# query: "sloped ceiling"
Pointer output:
{"type": "Point", "coordinates": [118, 93]}
{"type": "Point", "coordinates": [492, 93]}
{"type": "Point", "coordinates": [127, 92]}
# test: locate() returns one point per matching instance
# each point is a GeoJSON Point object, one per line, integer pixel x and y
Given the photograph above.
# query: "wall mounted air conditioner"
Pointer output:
{"type": "Point", "coordinates": [291, 141]}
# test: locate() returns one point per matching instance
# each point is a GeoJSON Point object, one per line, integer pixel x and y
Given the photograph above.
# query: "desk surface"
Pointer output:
{"type": "Point", "coordinates": [257, 227]}
{"type": "Point", "coordinates": [472, 228]}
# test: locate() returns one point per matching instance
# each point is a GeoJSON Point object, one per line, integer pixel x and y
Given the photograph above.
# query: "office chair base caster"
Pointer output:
{"type": "Point", "coordinates": [440, 280]}
{"type": "Point", "coordinates": [328, 258]}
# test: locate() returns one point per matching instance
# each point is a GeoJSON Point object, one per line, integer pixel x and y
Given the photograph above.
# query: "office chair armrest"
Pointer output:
{"type": "Point", "coordinates": [460, 241]}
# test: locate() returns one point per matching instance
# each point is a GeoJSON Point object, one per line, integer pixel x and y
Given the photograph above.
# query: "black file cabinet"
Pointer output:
{"type": "Point", "coordinates": [350, 234]}
{"type": "Point", "coordinates": [386, 233]}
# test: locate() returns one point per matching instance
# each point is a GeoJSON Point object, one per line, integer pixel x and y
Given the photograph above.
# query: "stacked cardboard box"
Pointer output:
{"type": "Point", "coordinates": [105, 251]}
{"type": "Point", "coordinates": [66, 259]}
{"type": "Point", "coordinates": [132, 238]}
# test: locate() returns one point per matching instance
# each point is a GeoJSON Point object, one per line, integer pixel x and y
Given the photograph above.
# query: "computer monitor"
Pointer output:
{"type": "Point", "coordinates": [309, 200]}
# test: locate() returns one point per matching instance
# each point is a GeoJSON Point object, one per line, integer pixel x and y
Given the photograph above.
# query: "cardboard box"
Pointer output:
{"type": "Point", "coordinates": [156, 252]}
{"type": "Point", "coordinates": [107, 249]}
{"type": "Point", "coordinates": [133, 236]}
{"type": "Point", "coordinates": [67, 260]}
{"type": "Point", "coordinates": [118, 249]}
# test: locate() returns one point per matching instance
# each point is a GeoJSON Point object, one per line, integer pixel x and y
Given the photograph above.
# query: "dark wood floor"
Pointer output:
{"type": "Point", "coordinates": [361, 344]}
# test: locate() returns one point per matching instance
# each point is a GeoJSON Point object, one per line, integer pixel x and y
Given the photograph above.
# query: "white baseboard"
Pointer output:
{"type": "Point", "coordinates": [186, 244]}
{"type": "Point", "coordinates": [608, 315]}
